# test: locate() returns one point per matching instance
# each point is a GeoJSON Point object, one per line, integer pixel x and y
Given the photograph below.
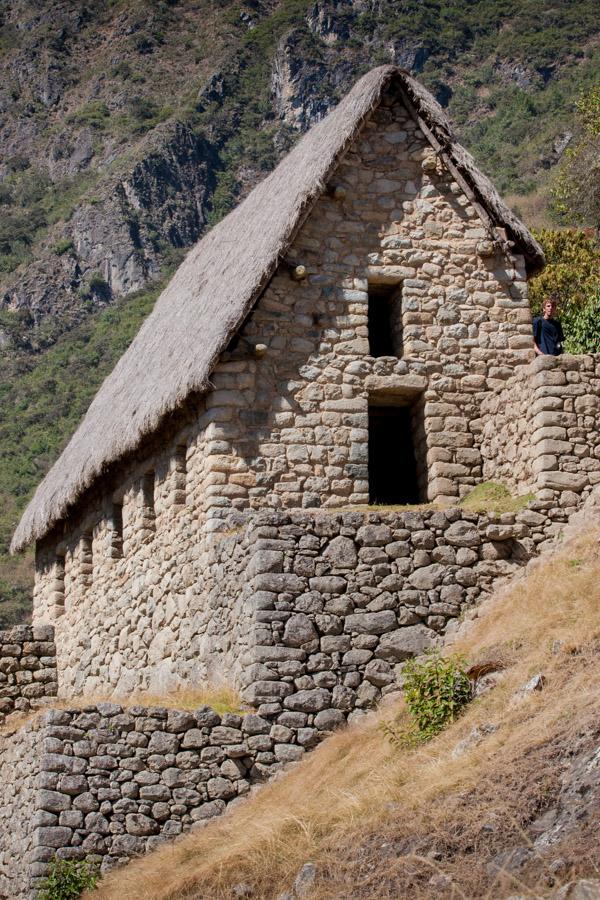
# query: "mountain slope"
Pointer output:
{"type": "Point", "coordinates": [504, 802]}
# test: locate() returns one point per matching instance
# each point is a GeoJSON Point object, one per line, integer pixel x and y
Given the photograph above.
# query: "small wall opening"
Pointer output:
{"type": "Point", "coordinates": [148, 493]}
{"type": "Point", "coordinates": [180, 475]}
{"type": "Point", "coordinates": [86, 558]}
{"type": "Point", "coordinates": [116, 531]}
{"type": "Point", "coordinates": [385, 320]}
{"type": "Point", "coordinates": [58, 585]}
{"type": "Point", "coordinates": [148, 523]}
{"type": "Point", "coordinates": [397, 463]}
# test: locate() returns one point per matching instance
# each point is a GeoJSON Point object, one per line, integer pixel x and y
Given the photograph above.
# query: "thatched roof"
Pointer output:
{"type": "Point", "coordinates": [211, 293]}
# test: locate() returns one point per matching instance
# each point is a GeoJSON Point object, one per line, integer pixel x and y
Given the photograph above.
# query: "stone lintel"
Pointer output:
{"type": "Point", "coordinates": [388, 390]}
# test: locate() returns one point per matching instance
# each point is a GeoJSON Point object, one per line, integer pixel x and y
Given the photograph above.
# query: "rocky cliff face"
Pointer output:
{"type": "Point", "coordinates": [114, 246]}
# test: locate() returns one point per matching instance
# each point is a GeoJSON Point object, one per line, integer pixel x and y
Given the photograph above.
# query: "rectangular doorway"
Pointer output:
{"type": "Point", "coordinates": [396, 473]}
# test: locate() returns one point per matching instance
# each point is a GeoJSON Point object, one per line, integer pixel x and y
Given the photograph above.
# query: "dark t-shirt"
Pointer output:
{"type": "Point", "coordinates": [548, 335]}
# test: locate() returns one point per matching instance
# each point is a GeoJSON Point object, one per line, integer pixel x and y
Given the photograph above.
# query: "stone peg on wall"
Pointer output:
{"type": "Point", "coordinates": [486, 248]}
{"type": "Point", "coordinates": [298, 273]}
{"type": "Point", "coordinates": [337, 191]}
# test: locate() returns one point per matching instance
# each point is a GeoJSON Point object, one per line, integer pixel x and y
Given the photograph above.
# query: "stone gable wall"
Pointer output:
{"type": "Point", "coordinates": [542, 429]}
{"type": "Point", "coordinates": [27, 668]}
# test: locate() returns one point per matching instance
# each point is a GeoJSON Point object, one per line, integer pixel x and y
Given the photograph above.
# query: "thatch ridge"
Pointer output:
{"type": "Point", "coordinates": [213, 290]}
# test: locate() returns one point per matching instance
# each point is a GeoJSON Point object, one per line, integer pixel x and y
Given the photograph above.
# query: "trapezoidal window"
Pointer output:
{"type": "Point", "coordinates": [385, 320]}
{"type": "Point", "coordinates": [180, 475]}
{"type": "Point", "coordinates": [148, 493]}
{"type": "Point", "coordinates": [58, 585]}
{"type": "Point", "coordinates": [397, 454]}
{"type": "Point", "coordinates": [116, 531]}
{"type": "Point", "coordinates": [148, 506]}
{"type": "Point", "coordinates": [86, 559]}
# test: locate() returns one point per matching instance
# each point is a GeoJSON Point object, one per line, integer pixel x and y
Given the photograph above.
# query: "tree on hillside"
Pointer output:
{"type": "Point", "coordinates": [577, 185]}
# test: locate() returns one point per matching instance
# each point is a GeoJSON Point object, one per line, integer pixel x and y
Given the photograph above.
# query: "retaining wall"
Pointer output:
{"type": "Point", "coordinates": [305, 588]}
{"type": "Point", "coordinates": [20, 813]}
{"type": "Point", "coordinates": [107, 782]}
{"type": "Point", "coordinates": [340, 601]}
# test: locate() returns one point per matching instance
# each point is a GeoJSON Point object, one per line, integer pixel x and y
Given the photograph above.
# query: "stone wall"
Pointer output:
{"type": "Point", "coordinates": [506, 448]}
{"type": "Point", "coordinates": [342, 600]}
{"type": "Point", "coordinates": [20, 814]}
{"type": "Point", "coordinates": [542, 430]}
{"type": "Point", "coordinates": [334, 603]}
{"type": "Point", "coordinates": [27, 668]}
{"type": "Point", "coordinates": [350, 581]}
{"type": "Point", "coordinates": [107, 782]}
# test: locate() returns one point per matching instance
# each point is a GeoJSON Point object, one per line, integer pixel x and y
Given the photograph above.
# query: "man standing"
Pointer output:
{"type": "Point", "coordinates": [548, 335]}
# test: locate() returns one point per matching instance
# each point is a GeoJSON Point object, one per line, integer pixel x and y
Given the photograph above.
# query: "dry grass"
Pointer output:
{"type": "Point", "coordinates": [379, 822]}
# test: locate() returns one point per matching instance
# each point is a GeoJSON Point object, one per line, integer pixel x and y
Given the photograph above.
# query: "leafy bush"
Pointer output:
{"type": "Point", "coordinates": [436, 689]}
{"type": "Point", "coordinates": [68, 879]}
{"type": "Point", "coordinates": [582, 327]}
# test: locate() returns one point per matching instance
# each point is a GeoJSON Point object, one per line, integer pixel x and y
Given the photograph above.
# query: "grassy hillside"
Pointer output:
{"type": "Point", "coordinates": [91, 92]}
{"type": "Point", "coordinates": [439, 820]}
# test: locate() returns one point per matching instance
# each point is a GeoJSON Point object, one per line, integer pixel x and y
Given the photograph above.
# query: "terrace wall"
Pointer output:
{"type": "Point", "coordinates": [286, 602]}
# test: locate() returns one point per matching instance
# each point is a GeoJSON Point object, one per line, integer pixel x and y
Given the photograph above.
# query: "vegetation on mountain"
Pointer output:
{"type": "Point", "coordinates": [184, 106]}
{"type": "Point", "coordinates": [42, 400]}
{"type": "Point", "coordinates": [577, 185]}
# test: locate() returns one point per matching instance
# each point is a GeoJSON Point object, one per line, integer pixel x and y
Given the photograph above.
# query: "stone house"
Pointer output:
{"type": "Point", "coordinates": [336, 343]}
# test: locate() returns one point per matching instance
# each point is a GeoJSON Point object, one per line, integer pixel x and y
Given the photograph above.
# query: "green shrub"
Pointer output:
{"type": "Point", "coordinates": [68, 879]}
{"type": "Point", "coordinates": [436, 689]}
{"type": "Point", "coordinates": [95, 114]}
{"type": "Point", "coordinates": [63, 246]}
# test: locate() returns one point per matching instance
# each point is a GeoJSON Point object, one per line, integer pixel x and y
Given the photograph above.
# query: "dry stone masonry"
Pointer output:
{"type": "Point", "coordinates": [106, 782]}
{"type": "Point", "coordinates": [542, 429]}
{"type": "Point", "coordinates": [333, 605]}
{"type": "Point", "coordinates": [142, 587]}
{"type": "Point", "coordinates": [27, 668]}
